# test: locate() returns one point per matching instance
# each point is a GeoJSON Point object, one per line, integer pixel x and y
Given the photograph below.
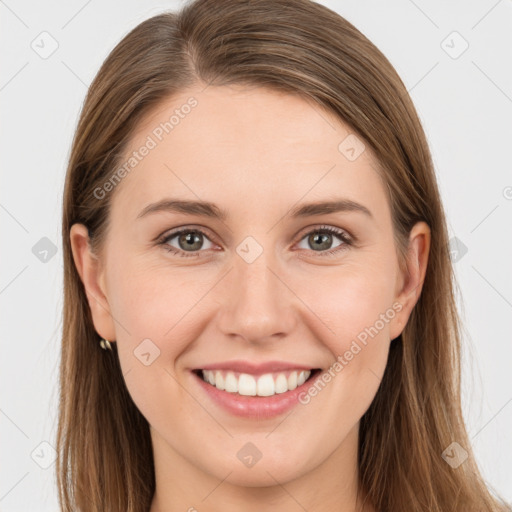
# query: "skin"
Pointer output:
{"type": "Point", "coordinates": [257, 154]}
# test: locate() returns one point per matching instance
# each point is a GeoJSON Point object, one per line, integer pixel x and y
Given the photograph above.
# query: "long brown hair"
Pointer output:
{"type": "Point", "coordinates": [105, 459]}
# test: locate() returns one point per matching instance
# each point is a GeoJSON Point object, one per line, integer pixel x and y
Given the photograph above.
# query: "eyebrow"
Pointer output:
{"type": "Point", "coordinates": [207, 209]}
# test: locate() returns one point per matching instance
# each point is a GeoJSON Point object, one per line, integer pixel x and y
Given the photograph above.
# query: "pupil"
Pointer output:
{"type": "Point", "coordinates": [322, 239]}
{"type": "Point", "coordinates": [190, 241]}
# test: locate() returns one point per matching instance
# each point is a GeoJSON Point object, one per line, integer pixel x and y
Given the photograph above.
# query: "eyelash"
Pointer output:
{"type": "Point", "coordinates": [344, 237]}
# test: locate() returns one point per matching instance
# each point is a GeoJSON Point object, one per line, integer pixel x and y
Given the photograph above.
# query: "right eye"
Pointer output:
{"type": "Point", "coordinates": [188, 240]}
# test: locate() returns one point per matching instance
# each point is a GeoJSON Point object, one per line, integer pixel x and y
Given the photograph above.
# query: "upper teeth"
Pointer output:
{"type": "Point", "coordinates": [249, 385]}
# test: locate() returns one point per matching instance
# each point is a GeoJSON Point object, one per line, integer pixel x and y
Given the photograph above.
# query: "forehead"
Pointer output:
{"type": "Point", "coordinates": [245, 120]}
{"type": "Point", "coordinates": [223, 143]}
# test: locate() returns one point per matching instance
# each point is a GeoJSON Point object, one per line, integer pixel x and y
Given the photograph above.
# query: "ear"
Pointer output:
{"type": "Point", "coordinates": [90, 270]}
{"type": "Point", "coordinates": [410, 280]}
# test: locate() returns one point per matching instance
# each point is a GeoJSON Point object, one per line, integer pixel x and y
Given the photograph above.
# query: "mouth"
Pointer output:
{"type": "Point", "coordinates": [254, 396]}
{"type": "Point", "coordinates": [251, 385]}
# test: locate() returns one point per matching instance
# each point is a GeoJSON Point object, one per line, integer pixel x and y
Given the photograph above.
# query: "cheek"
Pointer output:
{"type": "Point", "coordinates": [152, 299]}
{"type": "Point", "coordinates": [157, 309]}
{"type": "Point", "coordinates": [155, 321]}
{"type": "Point", "coordinates": [356, 305]}
{"type": "Point", "coordinates": [355, 302]}
{"type": "Point", "coordinates": [350, 299]}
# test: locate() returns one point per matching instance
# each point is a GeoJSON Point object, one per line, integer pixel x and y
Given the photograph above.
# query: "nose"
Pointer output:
{"type": "Point", "coordinates": [258, 306]}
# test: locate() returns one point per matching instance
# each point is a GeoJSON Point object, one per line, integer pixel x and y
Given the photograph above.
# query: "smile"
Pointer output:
{"type": "Point", "coordinates": [251, 396]}
{"type": "Point", "coordinates": [246, 384]}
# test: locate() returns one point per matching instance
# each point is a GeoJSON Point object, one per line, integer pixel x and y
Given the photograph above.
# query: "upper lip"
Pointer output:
{"type": "Point", "coordinates": [256, 369]}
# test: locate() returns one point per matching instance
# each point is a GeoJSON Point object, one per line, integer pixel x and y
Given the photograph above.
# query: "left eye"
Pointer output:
{"type": "Point", "coordinates": [323, 237]}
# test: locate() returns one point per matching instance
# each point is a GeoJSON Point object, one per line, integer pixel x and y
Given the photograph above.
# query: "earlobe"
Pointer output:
{"type": "Point", "coordinates": [411, 280]}
{"type": "Point", "coordinates": [89, 268]}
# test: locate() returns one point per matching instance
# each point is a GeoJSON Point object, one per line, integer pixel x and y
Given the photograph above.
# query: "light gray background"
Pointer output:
{"type": "Point", "coordinates": [465, 104]}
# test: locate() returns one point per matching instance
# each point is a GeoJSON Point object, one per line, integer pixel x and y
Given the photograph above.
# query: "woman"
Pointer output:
{"type": "Point", "coordinates": [259, 308]}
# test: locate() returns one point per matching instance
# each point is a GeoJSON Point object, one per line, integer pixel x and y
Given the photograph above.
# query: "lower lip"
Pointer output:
{"type": "Point", "coordinates": [256, 407]}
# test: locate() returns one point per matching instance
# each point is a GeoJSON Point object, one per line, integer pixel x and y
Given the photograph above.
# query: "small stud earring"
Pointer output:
{"type": "Point", "coordinates": [105, 345]}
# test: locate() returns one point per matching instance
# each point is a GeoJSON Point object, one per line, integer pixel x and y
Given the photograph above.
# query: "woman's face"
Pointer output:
{"type": "Point", "coordinates": [265, 282]}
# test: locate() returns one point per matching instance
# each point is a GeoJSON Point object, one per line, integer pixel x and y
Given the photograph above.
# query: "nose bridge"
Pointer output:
{"type": "Point", "coordinates": [258, 305]}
